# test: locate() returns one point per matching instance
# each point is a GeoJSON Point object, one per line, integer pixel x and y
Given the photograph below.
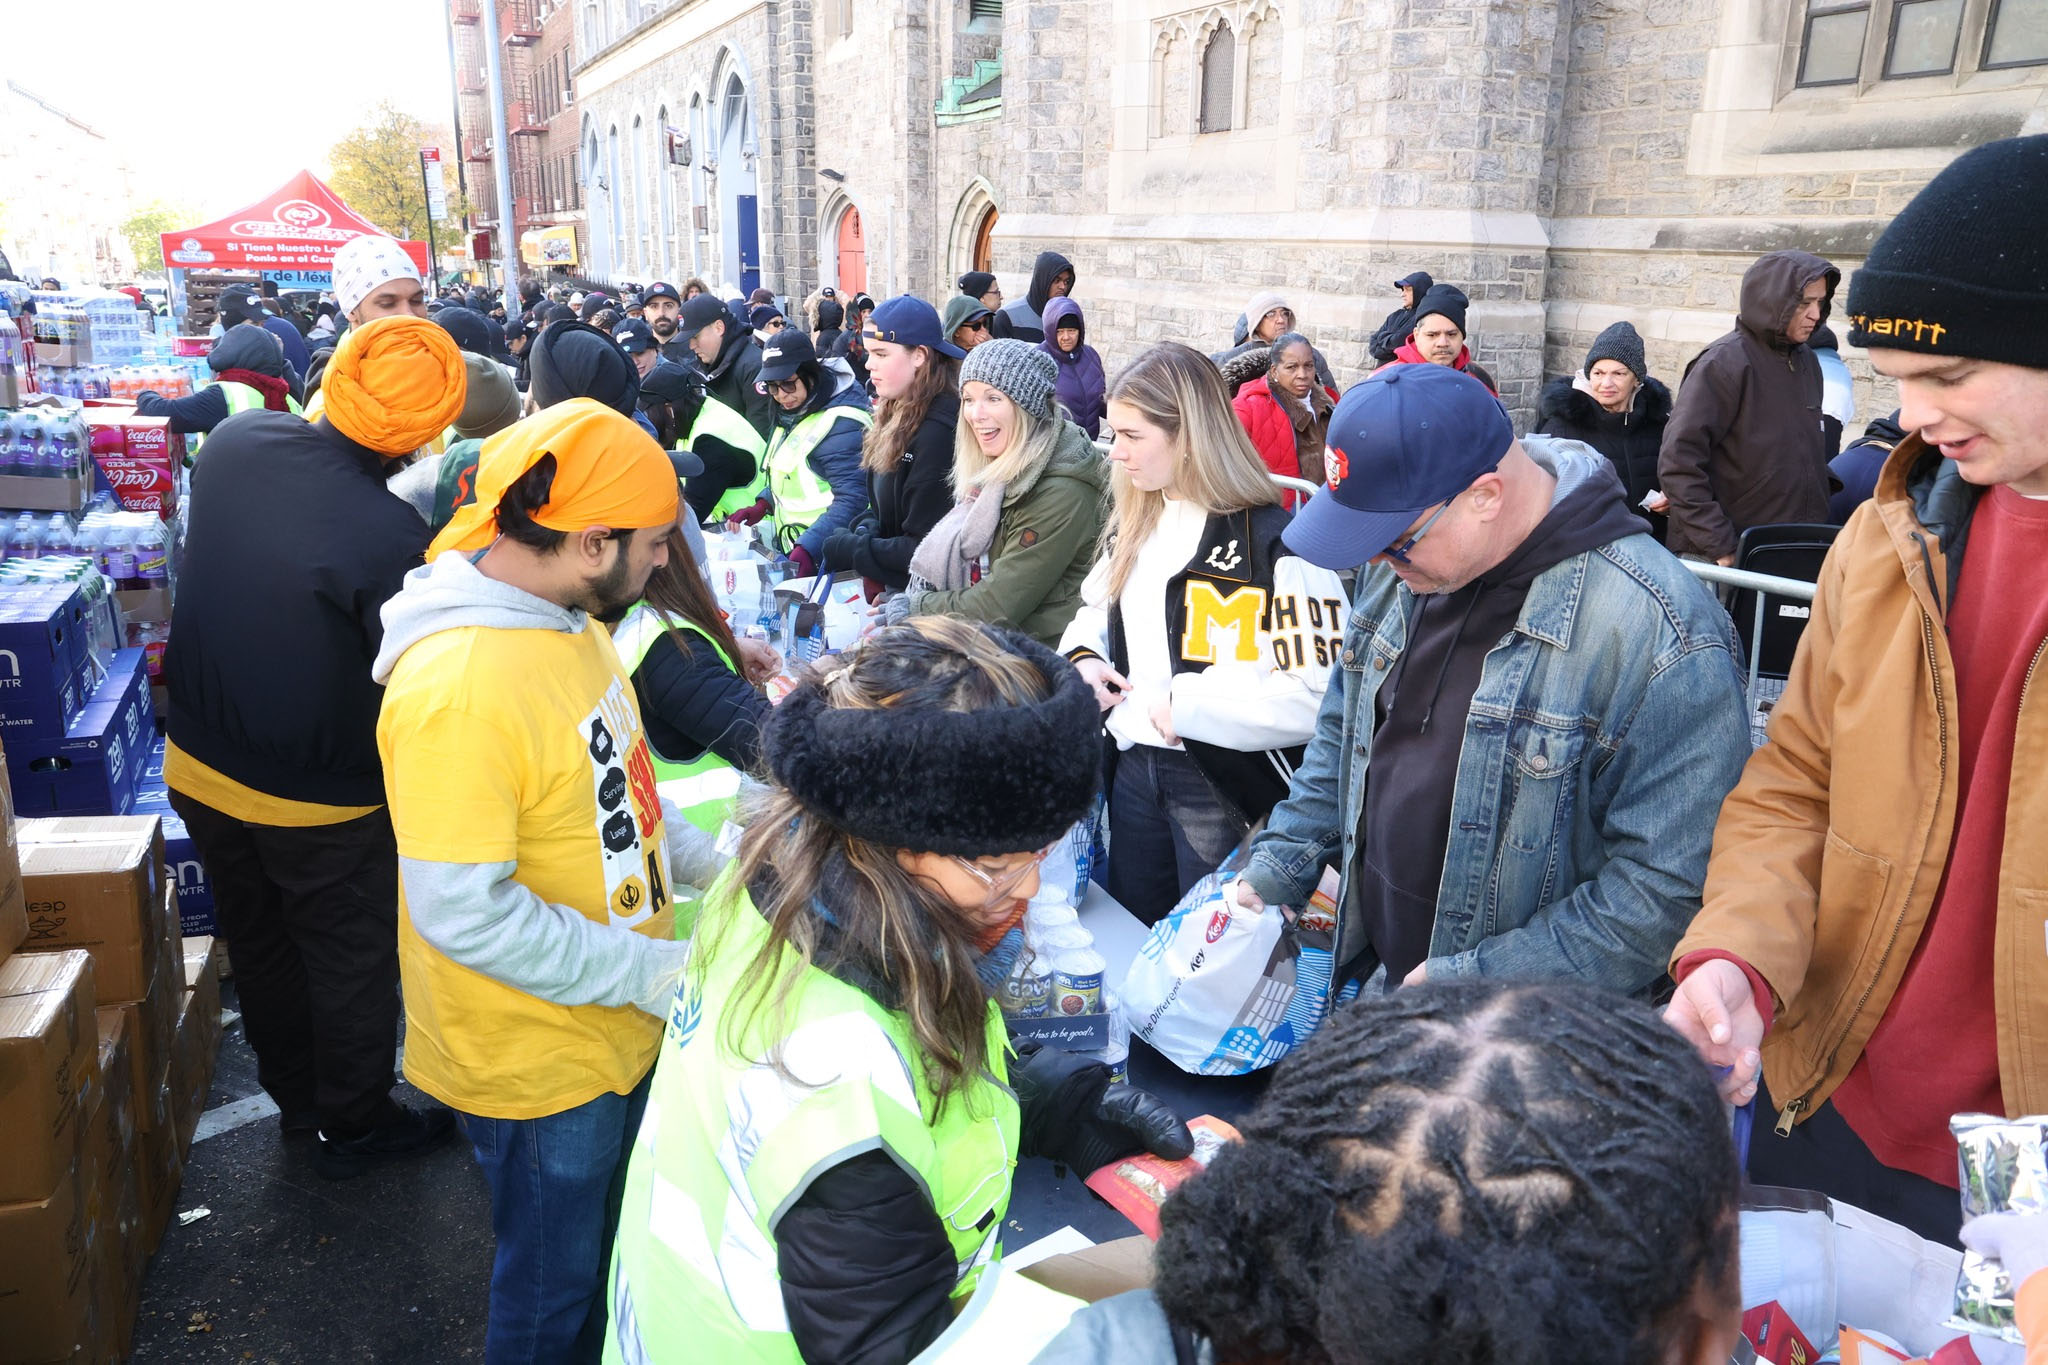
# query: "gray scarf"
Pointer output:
{"type": "Point", "coordinates": [948, 556]}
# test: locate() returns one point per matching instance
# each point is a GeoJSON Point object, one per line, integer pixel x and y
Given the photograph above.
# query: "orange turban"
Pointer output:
{"type": "Point", "coordinates": [394, 384]}
{"type": "Point", "coordinates": [608, 472]}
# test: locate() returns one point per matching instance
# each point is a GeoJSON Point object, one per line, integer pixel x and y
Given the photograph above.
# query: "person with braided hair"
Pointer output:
{"type": "Point", "coordinates": [1425, 1152]}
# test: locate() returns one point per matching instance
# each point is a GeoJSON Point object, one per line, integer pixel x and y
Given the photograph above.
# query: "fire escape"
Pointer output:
{"type": "Point", "coordinates": [524, 125]}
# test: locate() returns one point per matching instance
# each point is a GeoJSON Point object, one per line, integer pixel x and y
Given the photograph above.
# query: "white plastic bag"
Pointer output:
{"type": "Point", "coordinates": [1221, 990]}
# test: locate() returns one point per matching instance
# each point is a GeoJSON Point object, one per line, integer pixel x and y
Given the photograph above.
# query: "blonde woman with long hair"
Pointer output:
{"type": "Point", "coordinates": [1031, 493]}
{"type": "Point", "coordinates": [1207, 641]}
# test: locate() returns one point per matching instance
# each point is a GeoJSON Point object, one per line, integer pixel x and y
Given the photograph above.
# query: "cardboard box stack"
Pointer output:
{"type": "Point", "coordinates": [117, 1053]}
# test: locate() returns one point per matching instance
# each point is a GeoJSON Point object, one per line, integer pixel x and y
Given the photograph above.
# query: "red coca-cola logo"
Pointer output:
{"type": "Point", "coordinates": [127, 474]}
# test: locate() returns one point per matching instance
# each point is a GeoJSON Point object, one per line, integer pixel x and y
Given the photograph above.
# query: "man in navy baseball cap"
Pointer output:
{"type": "Point", "coordinates": [907, 320]}
{"type": "Point", "coordinates": [1540, 708]}
{"type": "Point", "coordinates": [1402, 446]}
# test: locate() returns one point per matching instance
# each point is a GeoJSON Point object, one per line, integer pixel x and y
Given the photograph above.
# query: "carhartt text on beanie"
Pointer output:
{"type": "Point", "coordinates": [1963, 269]}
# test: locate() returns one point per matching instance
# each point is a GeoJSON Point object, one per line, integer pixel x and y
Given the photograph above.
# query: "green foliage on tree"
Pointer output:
{"type": "Point", "coordinates": [144, 229]}
{"type": "Point", "coordinates": [376, 171]}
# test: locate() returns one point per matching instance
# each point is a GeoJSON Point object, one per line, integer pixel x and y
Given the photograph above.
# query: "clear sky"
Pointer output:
{"type": "Point", "coordinates": [214, 103]}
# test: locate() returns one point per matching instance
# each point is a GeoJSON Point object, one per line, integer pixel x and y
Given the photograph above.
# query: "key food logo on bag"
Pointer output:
{"type": "Point", "coordinates": [1219, 924]}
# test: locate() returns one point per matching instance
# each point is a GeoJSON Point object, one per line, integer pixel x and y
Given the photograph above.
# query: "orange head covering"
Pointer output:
{"type": "Point", "coordinates": [608, 472]}
{"type": "Point", "coordinates": [394, 384]}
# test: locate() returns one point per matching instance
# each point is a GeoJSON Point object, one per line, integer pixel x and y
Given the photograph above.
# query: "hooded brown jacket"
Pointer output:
{"type": "Point", "coordinates": [1745, 446]}
{"type": "Point", "coordinates": [1830, 850]}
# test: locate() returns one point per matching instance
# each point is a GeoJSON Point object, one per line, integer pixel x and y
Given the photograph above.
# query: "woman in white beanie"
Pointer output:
{"type": "Point", "coordinates": [1032, 493]}
{"type": "Point", "coordinates": [1268, 316]}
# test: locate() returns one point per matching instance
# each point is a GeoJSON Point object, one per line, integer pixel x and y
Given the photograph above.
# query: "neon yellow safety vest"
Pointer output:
{"type": "Point", "coordinates": [244, 398]}
{"type": "Point", "coordinates": [720, 422]}
{"type": "Point", "coordinates": [730, 1142]}
{"type": "Point", "coordinates": [799, 495]}
{"type": "Point", "coordinates": [705, 787]}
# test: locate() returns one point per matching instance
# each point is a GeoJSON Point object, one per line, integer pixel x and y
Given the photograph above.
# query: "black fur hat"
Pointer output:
{"type": "Point", "coordinates": [999, 779]}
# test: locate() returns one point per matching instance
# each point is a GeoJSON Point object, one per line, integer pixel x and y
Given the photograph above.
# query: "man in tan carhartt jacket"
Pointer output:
{"type": "Point", "coordinates": [1875, 921]}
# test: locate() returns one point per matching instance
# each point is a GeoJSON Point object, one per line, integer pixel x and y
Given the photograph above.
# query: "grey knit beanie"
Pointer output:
{"type": "Point", "coordinates": [1619, 343]}
{"type": "Point", "coordinates": [1021, 370]}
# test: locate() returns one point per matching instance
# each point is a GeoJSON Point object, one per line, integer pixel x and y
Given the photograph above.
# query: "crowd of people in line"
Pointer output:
{"type": "Point", "coordinates": [705, 982]}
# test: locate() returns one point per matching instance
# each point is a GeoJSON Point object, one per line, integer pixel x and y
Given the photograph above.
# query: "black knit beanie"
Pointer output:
{"type": "Point", "coordinates": [1447, 299]}
{"type": "Point", "coordinates": [1000, 779]}
{"type": "Point", "coordinates": [975, 283]}
{"type": "Point", "coordinates": [1963, 270]}
{"type": "Point", "coordinates": [1621, 343]}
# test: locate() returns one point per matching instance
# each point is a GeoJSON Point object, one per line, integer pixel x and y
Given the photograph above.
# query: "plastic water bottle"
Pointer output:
{"type": "Point", "coordinates": [27, 452]}
{"type": "Point", "coordinates": [60, 453]}
{"type": "Point", "coordinates": [152, 552]}
{"type": "Point", "coordinates": [119, 554]}
{"type": "Point", "coordinates": [58, 538]}
{"type": "Point", "coordinates": [23, 542]}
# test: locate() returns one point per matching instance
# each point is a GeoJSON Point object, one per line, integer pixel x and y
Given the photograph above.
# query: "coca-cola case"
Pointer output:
{"type": "Point", "coordinates": [138, 458]}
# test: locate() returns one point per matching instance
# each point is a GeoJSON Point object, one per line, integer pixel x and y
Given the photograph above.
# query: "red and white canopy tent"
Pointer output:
{"type": "Point", "coordinates": [293, 232]}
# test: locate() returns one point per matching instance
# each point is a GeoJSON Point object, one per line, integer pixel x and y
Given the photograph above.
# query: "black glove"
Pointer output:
{"type": "Point", "coordinates": [1126, 1120]}
{"type": "Point", "coordinates": [839, 550]}
{"type": "Point", "coordinates": [1072, 1114]}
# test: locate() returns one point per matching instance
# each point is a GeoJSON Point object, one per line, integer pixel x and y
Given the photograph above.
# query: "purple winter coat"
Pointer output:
{"type": "Point", "coordinates": [1080, 384]}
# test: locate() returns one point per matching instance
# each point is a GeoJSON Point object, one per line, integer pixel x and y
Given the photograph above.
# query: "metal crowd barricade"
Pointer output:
{"type": "Point", "coordinates": [1763, 587]}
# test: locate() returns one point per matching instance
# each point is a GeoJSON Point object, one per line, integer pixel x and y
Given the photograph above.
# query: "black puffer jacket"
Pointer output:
{"type": "Point", "coordinates": [1630, 440]}
{"type": "Point", "coordinates": [904, 503]}
{"type": "Point", "coordinates": [691, 702]}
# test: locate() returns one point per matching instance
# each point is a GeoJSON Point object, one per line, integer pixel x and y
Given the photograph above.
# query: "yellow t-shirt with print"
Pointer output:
{"type": "Point", "coordinates": [523, 746]}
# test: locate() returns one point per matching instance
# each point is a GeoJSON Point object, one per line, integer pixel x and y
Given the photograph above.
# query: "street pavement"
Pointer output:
{"type": "Point", "coordinates": [396, 1265]}
{"type": "Point", "coordinates": [288, 1267]}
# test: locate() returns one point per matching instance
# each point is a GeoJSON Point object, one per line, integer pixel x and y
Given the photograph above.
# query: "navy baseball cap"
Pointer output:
{"type": "Point", "coordinates": [1405, 440]}
{"type": "Point", "coordinates": [786, 352]}
{"type": "Point", "coordinates": [633, 336]}
{"type": "Point", "coordinates": [699, 313]}
{"type": "Point", "coordinates": [907, 320]}
{"type": "Point", "coordinates": [659, 290]}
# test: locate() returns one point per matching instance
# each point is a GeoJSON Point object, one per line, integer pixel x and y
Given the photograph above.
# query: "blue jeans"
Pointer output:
{"type": "Point", "coordinates": [556, 1183]}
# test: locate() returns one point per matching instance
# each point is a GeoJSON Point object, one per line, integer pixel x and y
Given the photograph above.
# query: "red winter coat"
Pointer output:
{"type": "Point", "coordinates": [1270, 428]}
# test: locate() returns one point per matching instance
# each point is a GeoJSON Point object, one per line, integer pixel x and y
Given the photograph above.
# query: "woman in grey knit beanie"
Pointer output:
{"type": "Point", "coordinates": [1024, 373]}
{"type": "Point", "coordinates": [1032, 492]}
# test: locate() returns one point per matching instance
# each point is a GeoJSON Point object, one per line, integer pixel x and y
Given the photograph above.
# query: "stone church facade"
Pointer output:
{"type": "Point", "coordinates": [1568, 163]}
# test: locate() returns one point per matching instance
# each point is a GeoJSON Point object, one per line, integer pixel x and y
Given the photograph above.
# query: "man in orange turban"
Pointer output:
{"type": "Point", "coordinates": [292, 549]}
{"type": "Point", "coordinates": [534, 867]}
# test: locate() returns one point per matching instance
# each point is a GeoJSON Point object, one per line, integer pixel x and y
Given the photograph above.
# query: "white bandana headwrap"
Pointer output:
{"type": "Point", "coordinates": [363, 264]}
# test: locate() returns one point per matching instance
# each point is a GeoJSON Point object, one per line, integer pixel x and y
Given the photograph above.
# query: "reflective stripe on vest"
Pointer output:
{"type": "Point", "coordinates": [244, 398]}
{"type": "Point", "coordinates": [703, 788]}
{"type": "Point", "coordinates": [721, 423]}
{"type": "Point", "coordinates": [800, 495]}
{"type": "Point", "coordinates": [730, 1142]}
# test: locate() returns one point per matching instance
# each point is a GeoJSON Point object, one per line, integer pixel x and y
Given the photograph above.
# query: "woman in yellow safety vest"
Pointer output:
{"type": "Point", "coordinates": [697, 687]}
{"type": "Point", "coordinates": [825, 1164]}
{"type": "Point", "coordinates": [815, 483]}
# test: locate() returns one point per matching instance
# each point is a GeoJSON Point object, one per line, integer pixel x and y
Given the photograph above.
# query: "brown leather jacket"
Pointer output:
{"type": "Point", "coordinates": [1829, 851]}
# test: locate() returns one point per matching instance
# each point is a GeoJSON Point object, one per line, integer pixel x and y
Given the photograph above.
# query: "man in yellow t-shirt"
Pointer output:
{"type": "Point", "coordinates": [535, 936]}
{"type": "Point", "coordinates": [293, 547]}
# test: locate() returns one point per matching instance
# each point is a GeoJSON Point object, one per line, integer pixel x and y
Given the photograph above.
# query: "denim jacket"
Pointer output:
{"type": "Point", "coordinates": [1606, 729]}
